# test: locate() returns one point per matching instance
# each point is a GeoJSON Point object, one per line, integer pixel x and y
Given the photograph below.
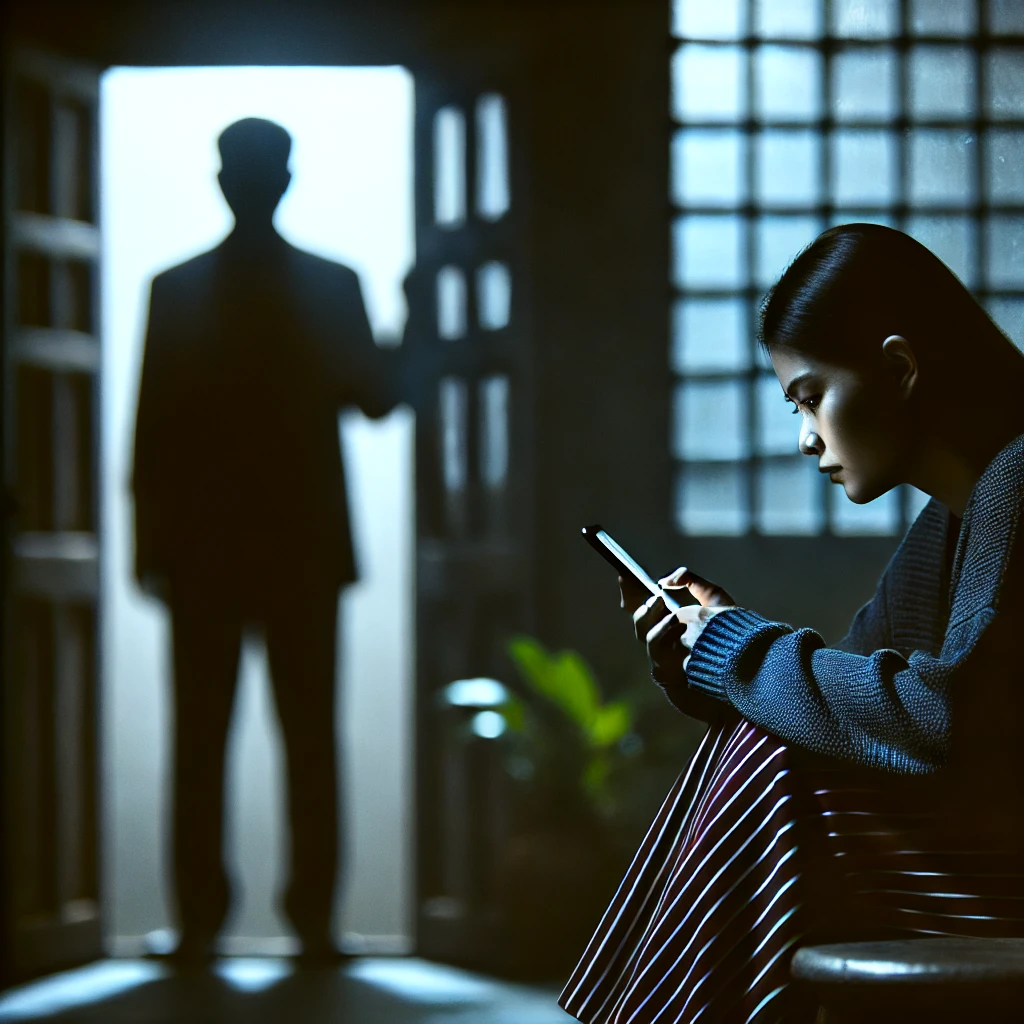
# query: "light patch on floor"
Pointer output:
{"type": "Point", "coordinates": [396, 990]}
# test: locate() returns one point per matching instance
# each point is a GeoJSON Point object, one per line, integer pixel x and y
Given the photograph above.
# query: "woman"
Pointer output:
{"type": "Point", "coordinates": [873, 789]}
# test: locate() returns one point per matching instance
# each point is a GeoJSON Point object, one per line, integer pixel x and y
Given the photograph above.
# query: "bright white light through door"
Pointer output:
{"type": "Point", "coordinates": [351, 200]}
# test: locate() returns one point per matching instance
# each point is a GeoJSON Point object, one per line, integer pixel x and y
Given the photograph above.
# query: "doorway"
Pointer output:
{"type": "Point", "coordinates": [351, 200]}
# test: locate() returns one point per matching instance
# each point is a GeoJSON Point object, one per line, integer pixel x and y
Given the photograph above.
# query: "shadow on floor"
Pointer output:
{"type": "Point", "coordinates": [270, 991]}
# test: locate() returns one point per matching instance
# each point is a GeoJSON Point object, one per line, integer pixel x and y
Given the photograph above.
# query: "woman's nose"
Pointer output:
{"type": "Point", "coordinates": [810, 442]}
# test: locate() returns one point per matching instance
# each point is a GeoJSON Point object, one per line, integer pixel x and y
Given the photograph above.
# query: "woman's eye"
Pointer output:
{"type": "Point", "coordinates": [811, 402]}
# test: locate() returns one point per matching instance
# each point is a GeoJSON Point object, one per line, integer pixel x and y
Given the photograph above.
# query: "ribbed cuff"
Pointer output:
{"type": "Point", "coordinates": [715, 651]}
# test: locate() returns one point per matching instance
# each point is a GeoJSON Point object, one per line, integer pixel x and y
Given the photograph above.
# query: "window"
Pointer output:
{"type": "Point", "coordinates": [790, 116]}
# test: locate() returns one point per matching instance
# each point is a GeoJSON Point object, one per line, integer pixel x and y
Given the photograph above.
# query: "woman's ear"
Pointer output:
{"type": "Point", "coordinates": [901, 359]}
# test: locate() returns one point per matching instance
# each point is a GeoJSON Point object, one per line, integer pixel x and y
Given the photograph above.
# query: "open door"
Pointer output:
{"type": "Point", "coordinates": [51, 907]}
{"type": "Point", "coordinates": [473, 482]}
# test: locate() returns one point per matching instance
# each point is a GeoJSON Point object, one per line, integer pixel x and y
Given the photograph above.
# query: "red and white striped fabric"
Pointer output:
{"type": "Point", "coordinates": [751, 854]}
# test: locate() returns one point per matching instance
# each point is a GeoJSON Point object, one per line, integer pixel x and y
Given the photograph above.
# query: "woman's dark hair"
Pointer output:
{"type": "Point", "coordinates": [856, 284]}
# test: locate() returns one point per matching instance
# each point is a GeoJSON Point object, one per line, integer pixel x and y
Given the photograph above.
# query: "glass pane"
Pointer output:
{"type": "Point", "coordinates": [788, 83]}
{"type": "Point", "coordinates": [493, 295]}
{"type": "Point", "coordinates": [1004, 166]}
{"type": "Point", "coordinates": [861, 217]}
{"type": "Point", "coordinates": [864, 85]}
{"type": "Point", "coordinates": [492, 157]}
{"type": "Point", "coordinates": [942, 82]}
{"type": "Point", "coordinates": [941, 167]}
{"type": "Point", "coordinates": [452, 409]}
{"type": "Point", "coordinates": [865, 19]}
{"type": "Point", "coordinates": [788, 19]}
{"type": "Point", "coordinates": [711, 420]}
{"type": "Point", "coordinates": [863, 167]}
{"type": "Point", "coordinates": [789, 497]}
{"type": "Point", "coordinates": [697, 19]}
{"type": "Point", "coordinates": [1006, 17]}
{"type": "Point", "coordinates": [943, 17]}
{"type": "Point", "coordinates": [788, 168]}
{"type": "Point", "coordinates": [878, 517]}
{"type": "Point", "coordinates": [1004, 72]}
{"type": "Point", "coordinates": [712, 500]}
{"type": "Point", "coordinates": [1004, 252]}
{"type": "Point", "coordinates": [952, 239]}
{"type": "Point", "coordinates": [451, 303]}
{"type": "Point", "coordinates": [707, 167]}
{"type": "Point", "coordinates": [449, 166]}
{"type": "Point", "coordinates": [915, 501]}
{"type": "Point", "coordinates": [779, 240]}
{"type": "Point", "coordinates": [1009, 314]}
{"type": "Point", "coordinates": [778, 430]}
{"type": "Point", "coordinates": [709, 251]}
{"type": "Point", "coordinates": [709, 335]}
{"type": "Point", "coordinates": [709, 83]}
{"type": "Point", "coordinates": [494, 431]}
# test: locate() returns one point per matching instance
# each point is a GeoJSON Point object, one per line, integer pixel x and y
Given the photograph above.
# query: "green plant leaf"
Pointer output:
{"type": "Point", "coordinates": [564, 678]}
{"type": "Point", "coordinates": [514, 714]}
{"type": "Point", "coordinates": [595, 775]}
{"type": "Point", "coordinates": [575, 689]}
{"type": "Point", "coordinates": [611, 723]}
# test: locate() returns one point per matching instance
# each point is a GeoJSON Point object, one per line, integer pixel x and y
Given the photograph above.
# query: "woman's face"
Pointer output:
{"type": "Point", "coordinates": [853, 421]}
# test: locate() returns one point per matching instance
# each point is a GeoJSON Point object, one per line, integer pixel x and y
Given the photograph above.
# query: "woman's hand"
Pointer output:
{"type": "Point", "coordinates": [669, 636]}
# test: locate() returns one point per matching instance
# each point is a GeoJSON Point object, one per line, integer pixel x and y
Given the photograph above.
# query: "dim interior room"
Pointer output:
{"type": "Point", "coordinates": [350, 200]}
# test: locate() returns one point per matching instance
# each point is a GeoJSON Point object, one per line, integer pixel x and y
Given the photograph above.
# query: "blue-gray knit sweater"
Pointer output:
{"type": "Point", "coordinates": [931, 665]}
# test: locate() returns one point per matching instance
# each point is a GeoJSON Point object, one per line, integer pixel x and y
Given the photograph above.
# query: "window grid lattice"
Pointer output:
{"type": "Point", "coordinates": [753, 181]}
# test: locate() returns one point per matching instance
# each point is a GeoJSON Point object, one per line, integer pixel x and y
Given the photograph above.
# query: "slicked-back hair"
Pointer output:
{"type": "Point", "coordinates": [856, 284]}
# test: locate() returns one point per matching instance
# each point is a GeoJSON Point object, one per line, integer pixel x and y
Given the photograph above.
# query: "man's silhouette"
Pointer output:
{"type": "Point", "coordinates": [242, 521]}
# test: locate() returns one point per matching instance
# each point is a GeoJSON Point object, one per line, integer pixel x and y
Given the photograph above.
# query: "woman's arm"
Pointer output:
{"type": "Point", "coordinates": [871, 703]}
{"type": "Point", "coordinates": [882, 709]}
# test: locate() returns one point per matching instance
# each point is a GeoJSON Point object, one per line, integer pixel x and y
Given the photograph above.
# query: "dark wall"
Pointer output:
{"type": "Point", "coordinates": [600, 278]}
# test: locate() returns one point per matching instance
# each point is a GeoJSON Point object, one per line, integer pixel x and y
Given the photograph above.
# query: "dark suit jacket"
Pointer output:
{"type": "Point", "coordinates": [238, 473]}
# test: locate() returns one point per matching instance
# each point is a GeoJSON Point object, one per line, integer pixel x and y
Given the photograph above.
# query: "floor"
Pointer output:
{"type": "Point", "coordinates": [396, 990]}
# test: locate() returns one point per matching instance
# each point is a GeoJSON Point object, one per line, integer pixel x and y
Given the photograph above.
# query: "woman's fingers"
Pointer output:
{"type": "Point", "coordinates": [666, 650]}
{"type": "Point", "coordinates": [631, 594]}
{"type": "Point", "coordinates": [647, 615]}
{"type": "Point", "coordinates": [709, 594]}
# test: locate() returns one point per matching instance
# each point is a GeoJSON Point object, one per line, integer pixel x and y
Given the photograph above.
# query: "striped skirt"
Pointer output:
{"type": "Point", "coordinates": [753, 853]}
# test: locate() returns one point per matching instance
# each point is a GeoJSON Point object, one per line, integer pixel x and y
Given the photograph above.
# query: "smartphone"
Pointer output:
{"type": "Point", "coordinates": [625, 564]}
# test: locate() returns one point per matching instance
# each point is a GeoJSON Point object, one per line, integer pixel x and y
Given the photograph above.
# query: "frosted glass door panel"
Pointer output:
{"type": "Point", "coordinates": [788, 19]}
{"type": "Point", "coordinates": [788, 168]}
{"type": "Point", "coordinates": [707, 167]}
{"type": "Point", "coordinates": [723, 19]}
{"type": "Point", "coordinates": [709, 252]}
{"type": "Point", "coordinates": [712, 500]}
{"type": "Point", "coordinates": [864, 85]}
{"type": "Point", "coordinates": [789, 497]}
{"type": "Point", "coordinates": [710, 336]}
{"type": "Point", "coordinates": [709, 84]}
{"type": "Point", "coordinates": [711, 420]}
{"type": "Point", "coordinates": [788, 83]}
{"type": "Point", "coordinates": [941, 167]}
{"type": "Point", "coordinates": [942, 82]}
{"type": "Point", "coordinates": [863, 167]}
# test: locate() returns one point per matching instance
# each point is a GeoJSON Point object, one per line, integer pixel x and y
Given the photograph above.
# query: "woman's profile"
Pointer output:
{"type": "Point", "coordinates": [871, 789]}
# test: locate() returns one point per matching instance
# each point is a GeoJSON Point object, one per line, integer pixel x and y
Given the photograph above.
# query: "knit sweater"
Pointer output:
{"type": "Point", "coordinates": [933, 657]}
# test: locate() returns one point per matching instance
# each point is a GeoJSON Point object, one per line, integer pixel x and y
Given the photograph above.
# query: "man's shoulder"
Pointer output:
{"type": "Point", "coordinates": [323, 270]}
{"type": "Point", "coordinates": [184, 275]}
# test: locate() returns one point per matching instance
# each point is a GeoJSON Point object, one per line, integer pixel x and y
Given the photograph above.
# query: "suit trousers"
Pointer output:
{"type": "Point", "coordinates": [299, 624]}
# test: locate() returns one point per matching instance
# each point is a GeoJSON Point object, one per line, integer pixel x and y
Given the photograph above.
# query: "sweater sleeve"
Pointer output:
{"type": "Point", "coordinates": [881, 709]}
